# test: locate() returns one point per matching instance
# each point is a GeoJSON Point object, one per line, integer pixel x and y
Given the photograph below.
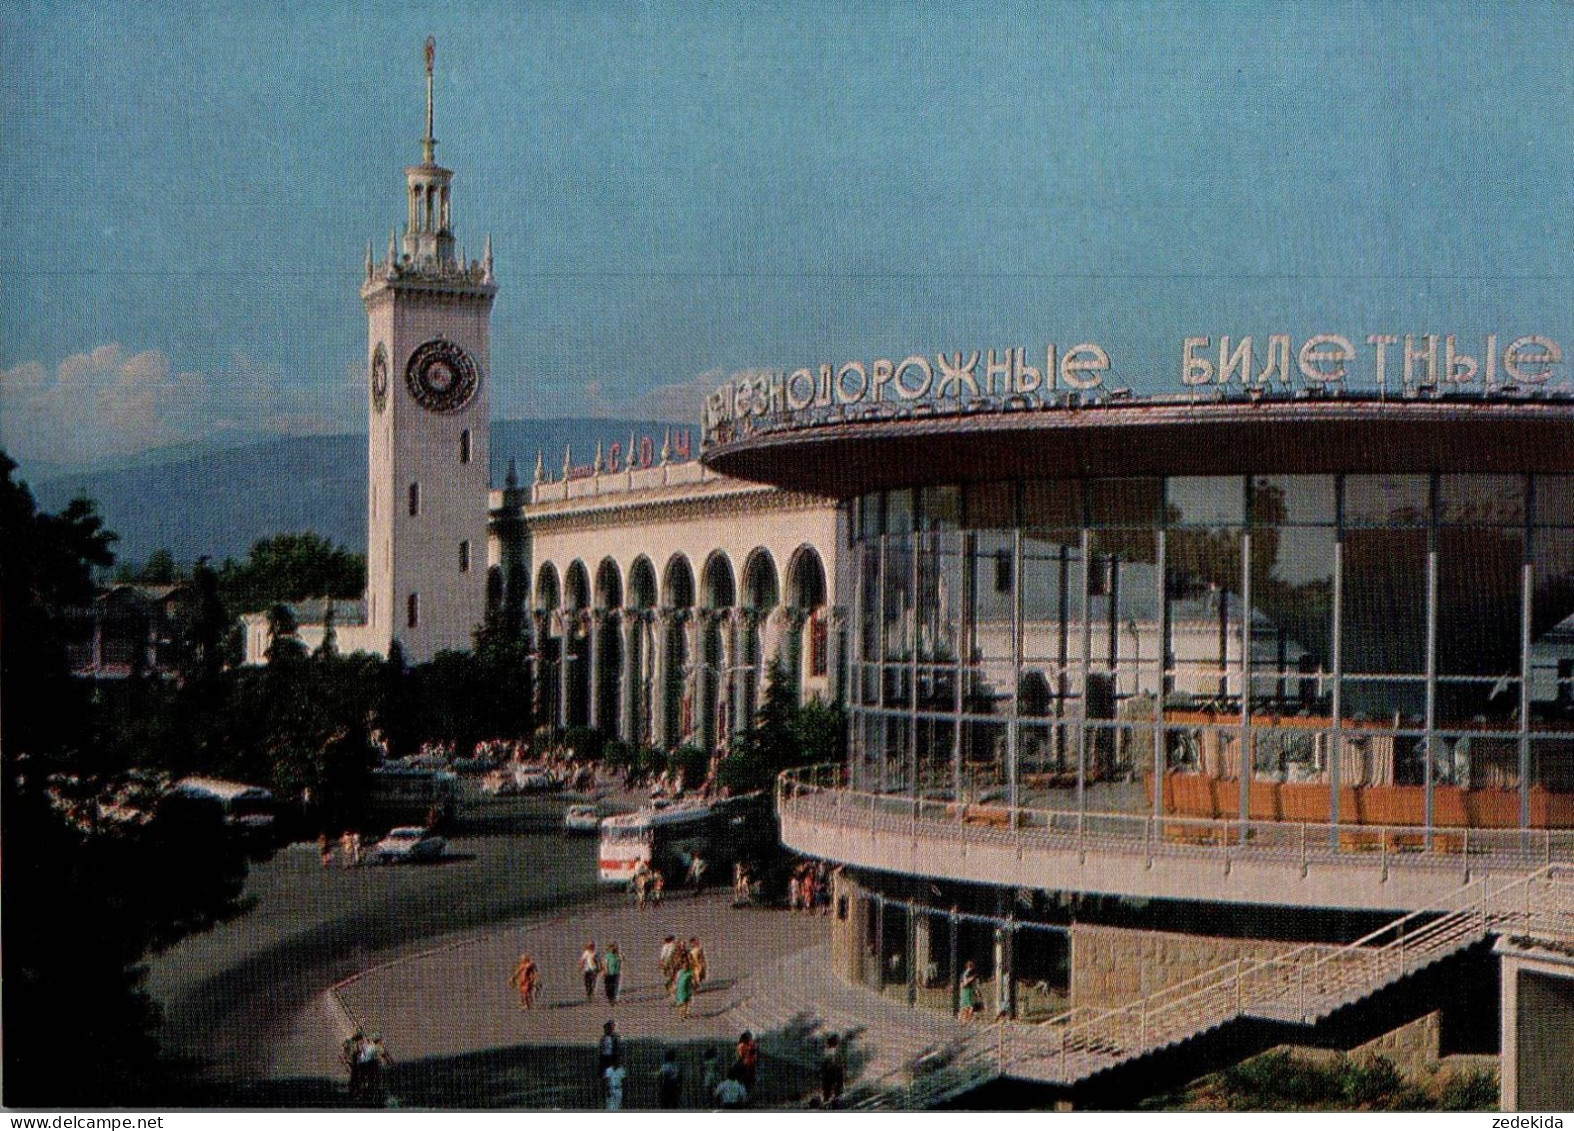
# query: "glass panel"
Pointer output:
{"type": "Point", "coordinates": [1052, 503]}
{"type": "Point", "coordinates": [1293, 500]}
{"type": "Point", "coordinates": [1552, 630]}
{"type": "Point", "coordinates": [1386, 500]}
{"type": "Point", "coordinates": [1206, 500]}
{"type": "Point", "coordinates": [1384, 627]}
{"type": "Point", "coordinates": [983, 758]}
{"type": "Point", "coordinates": [1478, 620]}
{"type": "Point", "coordinates": [1051, 599]}
{"type": "Point", "coordinates": [898, 617]}
{"type": "Point", "coordinates": [1551, 772]}
{"type": "Point", "coordinates": [898, 512]}
{"type": "Point", "coordinates": [1555, 500]}
{"type": "Point", "coordinates": [1124, 610]}
{"type": "Point", "coordinates": [941, 508]}
{"type": "Point", "coordinates": [992, 599]}
{"type": "Point", "coordinates": [1125, 502]}
{"type": "Point", "coordinates": [935, 739]}
{"type": "Point", "coordinates": [1203, 613]}
{"type": "Point", "coordinates": [1482, 500]}
{"type": "Point", "coordinates": [868, 564]}
{"type": "Point", "coordinates": [991, 506]}
{"type": "Point", "coordinates": [1385, 702]}
{"type": "Point", "coordinates": [1292, 615]}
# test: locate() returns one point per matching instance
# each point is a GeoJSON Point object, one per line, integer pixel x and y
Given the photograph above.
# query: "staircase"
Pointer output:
{"type": "Point", "coordinates": [1302, 986]}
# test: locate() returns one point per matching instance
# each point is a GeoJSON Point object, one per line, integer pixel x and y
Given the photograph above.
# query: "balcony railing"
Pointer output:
{"type": "Point", "coordinates": [817, 793]}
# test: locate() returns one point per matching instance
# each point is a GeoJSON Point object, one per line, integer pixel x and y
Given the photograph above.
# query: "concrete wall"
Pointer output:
{"type": "Point", "coordinates": [1114, 965]}
{"type": "Point", "coordinates": [1538, 1025]}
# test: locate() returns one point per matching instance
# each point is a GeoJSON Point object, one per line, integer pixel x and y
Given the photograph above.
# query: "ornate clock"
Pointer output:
{"type": "Point", "coordinates": [380, 378]}
{"type": "Point", "coordinates": [441, 376]}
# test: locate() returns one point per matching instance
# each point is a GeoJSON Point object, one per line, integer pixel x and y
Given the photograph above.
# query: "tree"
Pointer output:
{"type": "Point", "coordinates": [94, 897]}
{"type": "Point", "coordinates": [292, 567]}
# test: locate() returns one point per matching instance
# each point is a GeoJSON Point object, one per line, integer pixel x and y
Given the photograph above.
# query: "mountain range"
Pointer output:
{"type": "Point", "coordinates": [217, 501]}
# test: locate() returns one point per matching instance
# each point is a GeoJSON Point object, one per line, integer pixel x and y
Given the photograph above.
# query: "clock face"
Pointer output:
{"type": "Point", "coordinates": [380, 378]}
{"type": "Point", "coordinates": [441, 376]}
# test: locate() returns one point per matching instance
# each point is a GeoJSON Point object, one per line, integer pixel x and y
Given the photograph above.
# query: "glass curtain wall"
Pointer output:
{"type": "Point", "coordinates": [1358, 649]}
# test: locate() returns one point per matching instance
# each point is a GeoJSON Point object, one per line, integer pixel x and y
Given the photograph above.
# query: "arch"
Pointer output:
{"type": "Point", "coordinates": [549, 594]}
{"type": "Point", "coordinates": [576, 646]}
{"type": "Point", "coordinates": [607, 652]}
{"type": "Point", "coordinates": [576, 586]}
{"type": "Point", "coordinates": [805, 578]}
{"type": "Point", "coordinates": [677, 587]}
{"type": "Point", "coordinates": [761, 590]}
{"type": "Point", "coordinates": [717, 588]}
{"type": "Point", "coordinates": [807, 649]}
{"type": "Point", "coordinates": [609, 585]}
{"type": "Point", "coordinates": [642, 584]}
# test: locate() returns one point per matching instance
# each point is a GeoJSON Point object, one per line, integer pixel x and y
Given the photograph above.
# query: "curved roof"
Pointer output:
{"type": "Point", "coordinates": [846, 457]}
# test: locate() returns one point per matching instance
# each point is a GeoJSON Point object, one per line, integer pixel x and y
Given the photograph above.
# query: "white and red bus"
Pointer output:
{"type": "Point", "coordinates": [667, 838]}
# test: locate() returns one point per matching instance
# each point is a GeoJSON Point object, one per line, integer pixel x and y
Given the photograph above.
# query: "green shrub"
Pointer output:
{"type": "Point", "coordinates": [1278, 1078]}
{"type": "Point", "coordinates": [1469, 1091]}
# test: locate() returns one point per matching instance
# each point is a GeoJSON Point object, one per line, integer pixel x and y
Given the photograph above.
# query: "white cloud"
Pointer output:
{"type": "Point", "coordinates": [106, 402]}
{"type": "Point", "coordinates": [110, 402]}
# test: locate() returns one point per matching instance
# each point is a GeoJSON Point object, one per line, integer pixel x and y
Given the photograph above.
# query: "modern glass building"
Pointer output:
{"type": "Point", "coordinates": [1333, 611]}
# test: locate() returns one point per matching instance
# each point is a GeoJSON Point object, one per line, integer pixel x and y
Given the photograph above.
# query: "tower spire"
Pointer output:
{"type": "Point", "coordinates": [429, 143]}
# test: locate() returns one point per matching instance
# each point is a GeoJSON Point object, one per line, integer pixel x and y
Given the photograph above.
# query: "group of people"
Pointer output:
{"type": "Point", "coordinates": [809, 887]}
{"type": "Point", "coordinates": [648, 885]}
{"type": "Point", "coordinates": [365, 1058]}
{"type": "Point", "coordinates": [729, 1091]}
{"type": "Point", "coordinates": [683, 970]}
{"type": "Point", "coordinates": [351, 849]}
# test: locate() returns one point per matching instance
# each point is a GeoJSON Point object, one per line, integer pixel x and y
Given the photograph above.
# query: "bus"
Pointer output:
{"type": "Point", "coordinates": [401, 795]}
{"type": "Point", "coordinates": [668, 837]}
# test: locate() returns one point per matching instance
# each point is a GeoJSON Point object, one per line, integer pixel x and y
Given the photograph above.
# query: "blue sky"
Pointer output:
{"type": "Point", "coordinates": [677, 192]}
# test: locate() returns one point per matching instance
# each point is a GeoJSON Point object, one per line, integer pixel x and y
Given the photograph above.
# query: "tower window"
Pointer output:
{"type": "Point", "coordinates": [413, 610]}
{"type": "Point", "coordinates": [415, 499]}
{"type": "Point", "coordinates": [464, 556]}
{"type": "Point", "coordinates": [464, 446]}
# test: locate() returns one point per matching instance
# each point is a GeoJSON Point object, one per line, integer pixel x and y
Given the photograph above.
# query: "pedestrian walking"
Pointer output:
{"type": "Point", "coordinates": [325, 847]}
{"type": "Point", "coordinates": [350, 1057]}
{"type": "Point", "coordinates": [355, 849]}
{"type": "Point", "coordinates": [346, 849]}
{"type": "Point", "coordinates": [833, 1071]}
{"type": "Point", "coordinates": [669, 961]}
{"type": "Point", "coordinates": [732, 1092]}
{"type": "Point", "coordinates": [609, 1049]}
{"type": "Point", "coordinates": [710, 1073]}
{"type": "Point", "coordinates": [968, 997]}
{"type": "Point", "coordinates": [641, 884]}
{"type": "Point", "coordinates": [526, 979]}
{"type": "Point", "coordinates": [590, 969]}
{"type": "Point", "coordinates": [697, 961]}
{"type": "Point", "coordinates": [613, 1078]}
{"type": "Point", "coordinates": [683, 989]}
{"type": "Point", "coordinates": [658, 884]}
{"type": "Point", "coordinates": [612, 973]}
{"type": "Point", "coordinates": [697, 868]}
{"type": "Point", "coordinates": [747, 1065]}
{"type": "Point", "coordinates": [669, 1081]}
{"type": "Point", "coordinates": [373, 1058]}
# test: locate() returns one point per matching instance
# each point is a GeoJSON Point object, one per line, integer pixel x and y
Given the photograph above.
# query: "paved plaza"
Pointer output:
{"type": "Point", "coordinates": [459, 1037]}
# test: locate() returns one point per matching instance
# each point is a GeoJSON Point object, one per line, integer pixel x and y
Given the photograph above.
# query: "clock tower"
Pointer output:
{"type": "Point", "coordinates": [428, 369]}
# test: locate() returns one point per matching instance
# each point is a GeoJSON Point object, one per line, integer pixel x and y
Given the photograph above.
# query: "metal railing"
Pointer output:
{"type": "Point", "coordinates": [1303, 985]}
{"type": "Point", "coordinates": [818, 791]}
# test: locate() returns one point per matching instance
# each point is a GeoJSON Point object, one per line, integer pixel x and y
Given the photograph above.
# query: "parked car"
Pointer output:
{"type": "Point", "coordinates": [407, 843]}
{"type": "Point", "coordinates": [582, 819]}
